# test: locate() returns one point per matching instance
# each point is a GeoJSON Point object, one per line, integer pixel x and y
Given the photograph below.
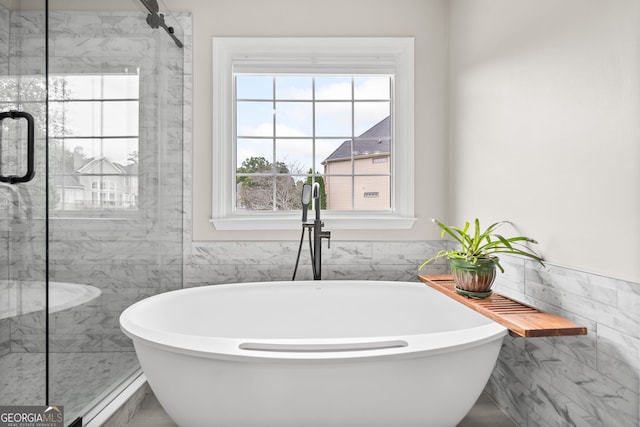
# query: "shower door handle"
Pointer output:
{"type": "Point", "coordinates": [30, 173]}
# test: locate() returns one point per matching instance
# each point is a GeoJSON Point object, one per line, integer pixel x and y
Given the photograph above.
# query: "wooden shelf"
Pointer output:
{"type": "Point", "coordinates": [521, 319]}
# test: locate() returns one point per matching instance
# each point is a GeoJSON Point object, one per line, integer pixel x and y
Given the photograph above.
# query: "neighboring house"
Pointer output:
{"type": "Point", "coordinates": [97, 183]}
{"type": "Point", "coordinates": [371, 189]}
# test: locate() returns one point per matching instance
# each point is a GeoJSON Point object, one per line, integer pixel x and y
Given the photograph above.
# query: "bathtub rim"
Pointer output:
{"type": "Point", "coordinates": [227, 348]}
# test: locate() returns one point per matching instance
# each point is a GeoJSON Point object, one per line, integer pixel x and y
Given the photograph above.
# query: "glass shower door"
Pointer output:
{"type": "Point", "coordinates": [23, 271]}
{"type": "Point", "coordinates": [115, 178]}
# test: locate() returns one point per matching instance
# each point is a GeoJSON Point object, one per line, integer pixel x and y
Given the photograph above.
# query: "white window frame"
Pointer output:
{"type": "Point", "coordinates": [361, 55]}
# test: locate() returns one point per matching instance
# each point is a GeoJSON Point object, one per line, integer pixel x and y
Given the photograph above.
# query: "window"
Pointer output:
{"type": "Point", "coordinates": [94, 135]}
{"type": "Point", "coordinates": [294, 110]}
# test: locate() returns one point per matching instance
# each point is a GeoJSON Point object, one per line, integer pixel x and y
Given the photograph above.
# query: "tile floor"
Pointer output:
{"type": "Point", "coordinates": [485, 413]}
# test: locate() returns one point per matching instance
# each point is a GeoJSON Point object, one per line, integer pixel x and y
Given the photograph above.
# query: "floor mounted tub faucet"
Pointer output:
{"type": "Point", "coordinates": [312, 192]}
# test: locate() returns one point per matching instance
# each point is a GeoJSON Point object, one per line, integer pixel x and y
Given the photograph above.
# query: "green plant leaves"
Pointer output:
{"type": "Point", "coordinates": [483, 243]}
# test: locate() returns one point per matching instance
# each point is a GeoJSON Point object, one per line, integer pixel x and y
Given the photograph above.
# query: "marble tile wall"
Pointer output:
{"type": "Point", "coordinates": [571, 381]}
{"type": "Point", "coordinates": [210, 263]}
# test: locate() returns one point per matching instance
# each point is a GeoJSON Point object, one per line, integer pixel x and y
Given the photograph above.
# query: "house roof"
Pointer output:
{"type": "Point", "coordinates": [374, 141]}
{"type": "Point", "coordinates": [101, 164]}
{"type": "Point", "coordinates": [104, 165]}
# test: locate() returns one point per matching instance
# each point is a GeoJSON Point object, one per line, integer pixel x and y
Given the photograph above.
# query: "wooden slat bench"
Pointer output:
{"type": "Point", "coordinates": [521, 319]}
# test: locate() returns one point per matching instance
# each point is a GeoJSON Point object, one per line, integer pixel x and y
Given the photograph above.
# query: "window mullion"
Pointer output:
{"type": "Point", "coordinates": [353, 142]}
{"type": "Point", "coordinates": [274, 169]}
{"type": "Point", "coordinates": [313, 131]}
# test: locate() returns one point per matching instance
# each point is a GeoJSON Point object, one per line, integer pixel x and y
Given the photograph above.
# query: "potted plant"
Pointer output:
{"type": "Point", "coordinates": [473, 264]}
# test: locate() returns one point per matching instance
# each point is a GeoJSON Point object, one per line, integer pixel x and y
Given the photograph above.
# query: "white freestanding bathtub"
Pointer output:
{"type": "Point", "coordinates": [313, 353]}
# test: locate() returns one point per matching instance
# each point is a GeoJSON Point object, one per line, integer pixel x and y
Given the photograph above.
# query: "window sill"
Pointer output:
{"type": "Point", "coordinates": [331, 221]}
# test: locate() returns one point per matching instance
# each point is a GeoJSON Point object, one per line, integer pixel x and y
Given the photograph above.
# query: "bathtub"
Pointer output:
{"type": "Point", "coordinates": [313, 353]}
{"type": "Point", "coordinates": [18, 297]}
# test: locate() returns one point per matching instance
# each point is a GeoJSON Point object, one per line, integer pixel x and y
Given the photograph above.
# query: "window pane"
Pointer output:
{"type": "Point", "coordinates": [255, 193]}
{"type": "Point", "coordinates": [60, 160]}
{"type": "Point", "coordinates": [120, 86]}
{"type": "Point", "coordinates": [28, 88]}
{"type": "Point", "coordinates": [254, 87]}
{"type": "Point", "coordinates": [294, 119]}
{"type": "Point", "coordinates": [333, 119]}
{"type": "Point", "coordinates": [249, 151]}
{"type": "Point", "coordinates": [294, 87]}
{"type": "Point", "coordinates": [338, 190]}
{"type": "Point", "coordinates": [333, 88]}
{"type": "Point", "coordinates": [295, 154]}
{"type": "Point", "coordinates": [254, 119]}
{"type": "Point", "coordinates": [117, 155]}
{"type": "Point", "coordinates": [287, 194]}
{"type": "Point", "coordinates": [372, 87]}
{"type": "Point", "coordinates": [328, 150]}
{"type": "Point", "coordinates": [369, 114]}
{"type": "Point", "coordinates": [80, 87]}
{"type": "Point", "coordinates": [373, 193]}
{"type": "Point", "coordinates": [120, 118]}
{"type": "Point", "coordinates": [81, 118]}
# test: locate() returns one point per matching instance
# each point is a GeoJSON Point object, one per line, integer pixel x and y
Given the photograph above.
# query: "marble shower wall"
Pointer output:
{"type": "Point", "coordinates": [127, 255]}
{"type": "Point", "coordinates": [571, 381]}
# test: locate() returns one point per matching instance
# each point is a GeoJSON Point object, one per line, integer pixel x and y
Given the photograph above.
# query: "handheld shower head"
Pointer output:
{"type": "Point", "coordinates": [306, 200]}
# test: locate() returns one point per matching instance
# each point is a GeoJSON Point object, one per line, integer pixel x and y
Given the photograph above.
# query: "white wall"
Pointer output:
{"type": "Point", "coordinates": [545, 125]}
{"type": "Point", "coordinates": [426, 20]}
{"type": "Point", "coordinates": [546, 91]}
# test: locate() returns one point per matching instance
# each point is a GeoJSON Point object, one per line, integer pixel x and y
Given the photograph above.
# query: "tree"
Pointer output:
{"type": "Point", "coordinates": [261, 185]}
{"type": "Point", "coordinates": [132, 158]}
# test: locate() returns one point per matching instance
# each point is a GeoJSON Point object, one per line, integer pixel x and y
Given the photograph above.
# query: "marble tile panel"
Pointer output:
{"type": "Point", "coordinates": [583, 305]}
{"type": "Point", "coordinates": [509, 384]}
{"type": "Point", "coordinates": [5, 337]}
{"type": "Point", "coordinates": [28, 22]}
{"type": "Point", "coordinates": [549, 406]}
{"type": "Point", "coordinates": [345, 252]}
{"type": "Point", "coordinates": [629, 301]}
{"type": "Point", "coordinates": [536, 420]}
{"type": "Point", "coordinates": [406, 252]}
{"type": "Point", "coordinates": [23, 379]}
{"type": "Point", "coordinates": [76, 392]}
{"type": "Point", "coordinates": [75, 23]}
{"type": "Point", "coordinates": [618, 357]}
{"type": "Point", "coordinates": [77, 322]}
{"type": "Point", "coordinates": [370, 272]}
{"type": "Point", "coordinates": [76, 343]}
{"type": "Point", "coordinates": [512, 280]}
{"type": "Point", "coordinates": [603, 398]}
{"type": "Point", "coordinates": [26, 339]}
{"type": "Point", "coordinates": [578, 283]}
{"type": "Point", "coordinates": [243, 253]}
{"type": "Point", "coordinates": [133, 47]}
